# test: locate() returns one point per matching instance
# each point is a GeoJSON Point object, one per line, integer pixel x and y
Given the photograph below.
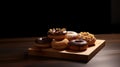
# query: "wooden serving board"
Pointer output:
{"type": "Point", "coordinates": [84, 56]}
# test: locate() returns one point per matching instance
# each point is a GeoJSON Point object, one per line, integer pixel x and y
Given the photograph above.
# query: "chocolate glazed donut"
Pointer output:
{"type": "Point", "coordinates": [78, 45]}
{"type": "Point", "coordinates": [43, 42]}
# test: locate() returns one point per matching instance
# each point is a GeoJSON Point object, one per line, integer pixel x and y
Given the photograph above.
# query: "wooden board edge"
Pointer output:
{"type": "Point", "coordinates": [96, 50]}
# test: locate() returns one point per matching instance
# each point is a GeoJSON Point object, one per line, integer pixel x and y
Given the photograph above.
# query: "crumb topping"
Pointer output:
{"type": "Point", "coordinates": [87, 36]}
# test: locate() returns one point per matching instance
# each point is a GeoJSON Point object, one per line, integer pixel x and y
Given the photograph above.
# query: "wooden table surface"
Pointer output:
{"type": "Point", "coordinates": [13, 53]}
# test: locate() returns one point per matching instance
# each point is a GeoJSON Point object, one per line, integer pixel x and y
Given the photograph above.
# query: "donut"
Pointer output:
{"type": "Point", "coordinates": [42, 42]}
{"type": "Point", "coordinates": [90, 38]}
{"type": "Point", "coordinates": [57, 33]}
{"type": "Point", "coordinates": [78, 45]}
{"type": "Point", "coordinates": [71, 35]}
{"type": "Point", "coordinates": [60, 45]}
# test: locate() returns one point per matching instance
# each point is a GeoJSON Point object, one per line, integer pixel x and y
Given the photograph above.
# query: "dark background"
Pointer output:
{"type": "Point", "coordinates": [28, 19]}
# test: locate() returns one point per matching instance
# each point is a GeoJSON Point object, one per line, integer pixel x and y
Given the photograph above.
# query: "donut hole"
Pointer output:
{"type": "Point", "coordinates": [78, 41]}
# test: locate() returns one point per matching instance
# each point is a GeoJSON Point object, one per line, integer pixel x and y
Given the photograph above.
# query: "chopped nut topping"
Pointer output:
{"type": "Point", "coordinates": [57, 31]}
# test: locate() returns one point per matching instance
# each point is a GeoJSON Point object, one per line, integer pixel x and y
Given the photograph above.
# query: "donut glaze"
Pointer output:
{"type": "Point", "coordinates": [78, 45]}
{"type": "Point", "coordinates": [72, 35]}
{"type": "Point", "coordinates": [78, 42]}
{"type": "Point", "coordinates": [43, 42]}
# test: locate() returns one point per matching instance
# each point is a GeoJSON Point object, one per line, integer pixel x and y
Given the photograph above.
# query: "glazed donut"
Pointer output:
{"type": "Point", "coordinates": [42, 42]}
{"type": "Point", "coordinates": [57, 33]}
{"type": "Point", "coordinates": [78, 45]}
{"type": "Point", "coordinates": [71, 35]}
{"type": "Point", "coordinates": [60, 45]}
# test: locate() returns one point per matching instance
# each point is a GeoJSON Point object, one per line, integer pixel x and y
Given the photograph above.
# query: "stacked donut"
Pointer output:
{"type": "Point", "coordinates": [61, 39]}
{"type": "Point", "coordinates": [59, 42]}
